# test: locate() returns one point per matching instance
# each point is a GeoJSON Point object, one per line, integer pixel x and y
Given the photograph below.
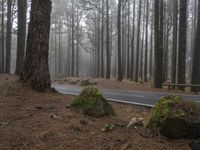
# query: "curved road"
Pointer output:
{"type": "Point", "coordinates": [147, 99]}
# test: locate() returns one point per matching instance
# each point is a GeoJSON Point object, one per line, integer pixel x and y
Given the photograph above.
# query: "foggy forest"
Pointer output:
{"type": "Point", "coordinates": [133, 63]}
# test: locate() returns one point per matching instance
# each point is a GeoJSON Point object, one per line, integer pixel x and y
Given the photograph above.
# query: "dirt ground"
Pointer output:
{"type": "Point", "coordinates": [43, 121]}
{"type": "Point", "coordinates": [124, 85]}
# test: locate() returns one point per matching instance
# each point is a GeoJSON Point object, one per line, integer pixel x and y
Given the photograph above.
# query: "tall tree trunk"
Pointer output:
{"type": "Point", "coordinates": [161, 38]}
{"type": "Point", "coordinates": [182, 43]}
{"type": "Point", "coordinates": [98, 41]}
{"type": "Point", "coordinates": [138, 42]}
{"type": "Point", "coordinates": [151, 48]}
{"type": "Point", "coordinates": [2, 44]}
{"type": "Point", "coordinates": [102, 41]}
{"type": "Point", "coordinates": [59, 46]}
{"type": "Point", "coordinates": [36, 69]}
{"type": "Point", "coordinates": [158, 73]}
{"type": "Point", "coordinates": [132, 43]}
{"type": "Point", "coordinates": [128, 43]}
{"type": "Point", "coordinates": [142, 45]}
{"type": "Point", "coordinates": [56, 49]}
{"type": "Point", "coordinates": [77, 47]}
{"type": "Point", "coordinates": [8, 35]}
{"type": "Point", "coordinates": [174, 47]}
{"type": "Point", "coordinates": [120, 76]}
{"type": "Point", "coordinates": [21, 34]}
{"type": "Point", "coordinates": [146, 44]}
{"type": "Point", "coordinates": [107, 41]}
{"type": "Point", "coordinates": [73, 45]}
{"type": "Point", "coordinates": [196, 55]}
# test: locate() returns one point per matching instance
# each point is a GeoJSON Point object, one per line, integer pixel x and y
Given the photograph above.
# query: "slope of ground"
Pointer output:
{"type": "Point", "coordinates": [43, 121]}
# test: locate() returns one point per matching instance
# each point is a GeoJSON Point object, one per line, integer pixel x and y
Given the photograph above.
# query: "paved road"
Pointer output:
{"type": "Point", "coordinates": [132, 97]}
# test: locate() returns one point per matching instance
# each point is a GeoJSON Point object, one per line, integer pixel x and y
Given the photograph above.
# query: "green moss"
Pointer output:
{"type": "Point", "coordinates": [175, 118]}
{"type": "Point", "coordinates": [163, 109]}
{"type": "Point", "coordinates": [93, 103]}
{"type": "Point", "coordinates": [85, 82]}
{"type": "Point", "coordinates": [77, 102]}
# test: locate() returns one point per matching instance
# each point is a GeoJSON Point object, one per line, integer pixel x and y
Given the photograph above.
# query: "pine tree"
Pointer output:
{"type": "Point", "coordinates": [36, 70]}
{"type": "Point", "coordinates": [21, 34]}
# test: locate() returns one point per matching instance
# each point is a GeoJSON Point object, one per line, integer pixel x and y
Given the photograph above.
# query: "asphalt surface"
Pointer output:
{"type": "Point", "coordinates": [141, 98]}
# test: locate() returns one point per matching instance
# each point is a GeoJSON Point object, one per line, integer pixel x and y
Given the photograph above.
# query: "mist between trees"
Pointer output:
{"type": "Point", "coordinates": [141, 40]}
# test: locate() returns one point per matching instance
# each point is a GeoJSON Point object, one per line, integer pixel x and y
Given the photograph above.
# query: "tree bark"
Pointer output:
{"type": "Point", "coordinates": [8, 35]}
{"type": "Point", "coordinates": [132, 43]}
{"type": "Point", "coordinates": [120, 76]}
{"type": "Point", "coordinates": [158, 69]}
{"type": "Point", "coordinates": [107, 41]}
{"type": "Point", "coordinates": [36, 70]}
{"type": "Point", "coordinates": [73, 45]}
{"type": "Point", "coordinates": [128, 43]}
{"type": "Point", "coordinates": [146, 44]}
{"type": "Point", "coordinates": [182, 43]}
{"type": "Point", "coordinates": [174, 47]}
{"type": "Point", "coordinates": [3, 44]}
{"type": "Point", "coordinates": [102, 41]}
{"type": "Point", "coordinates": [21, 34]}
{"type": "Point", "coordinates": [138, 42]}
{"type": "Point", "coordinates": [196, 55]}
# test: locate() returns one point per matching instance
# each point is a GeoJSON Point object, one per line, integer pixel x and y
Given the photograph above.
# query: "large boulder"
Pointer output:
{"type": "Point", "coordinates": [195, 145]}
{"type": "Point", "coordinates": [175, 118]}
{"type": "Point", "coordinates": [93, 103]}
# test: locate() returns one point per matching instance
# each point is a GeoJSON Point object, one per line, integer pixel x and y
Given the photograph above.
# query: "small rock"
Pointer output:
{"type": "Point", "coordinates": [3, 124]}
{"type": "Point", "coordinates": [125, 146]}
{"type": "Point", "coordinates": [67, 106]}
{"type": "Point", "coordinates": [39, 107]}
{"type": "Point", "coordinates": [195, 145]}
{"type": "Point", "coordinates": [48, 136]}
{"type": "Point", "coordinates": [76, 128]}
{"type": "Point", "coordinates": [55, 116]}
{"type": "Point", "coordinates": [136, 122]}
{"type": "Point", "coordinates": [83, 122]}
{"type": "Point", "coordinates": [120, 140]}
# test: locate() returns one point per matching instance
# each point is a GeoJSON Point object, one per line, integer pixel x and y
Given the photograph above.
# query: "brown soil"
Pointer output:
{"type": "Point", "coordinates": [124, 85]}
{"type": "Point", "coordinates": [43, 121]}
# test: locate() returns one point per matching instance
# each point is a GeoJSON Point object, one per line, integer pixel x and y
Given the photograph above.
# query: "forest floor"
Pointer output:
{"type": "Point", "coordinates": [44, 121]}
{"type": "Point", "coordinates": [116, 85]}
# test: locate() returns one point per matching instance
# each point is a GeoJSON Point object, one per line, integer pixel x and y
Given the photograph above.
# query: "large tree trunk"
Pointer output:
{"type": "Point", "coordinates": [107, 42]}
{"type": "Point", "coordinates": [151, 50]}
{"type": "Point", "coordinates": [161, 38]}
{"type": "Point", "coordinates": [128, 43]}
{"type": "Point", "coordinates": [2, 42]}
{"type": "Point", "coordinates": [146, 43]}
{"type": "Point", "coordinates": [132, 43]}
{"type": "Point", "coordinates": [182, 43]}
{"type": "Point", "coordinates": [77, 46]}
{"type": "Point", "coordinates": [36, 69]}
{"type": "Point", "coordinates": [120, 76]}
{"type": "Point", "coordinates": [174, 47]}
{"type": "Point", "coordinates": [158, 69]}
{"type": "Point", "coordinates": [73, 45]}
{"type": "Point", "coordinates": [21, 34]}
{"type": "Point", "coordinates": [196, 55]}
{"type": "Point", "coordinates": [8, 36]}
{"type": "Point", "coordinates": [102, 41]}
{"type": "Point", "coordinates": [138, 43]}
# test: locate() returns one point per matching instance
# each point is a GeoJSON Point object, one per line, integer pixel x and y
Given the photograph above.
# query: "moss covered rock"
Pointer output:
{"type": "Point", "coordinates": [175, 118]}
{"type": "Point", "coordinates": [93, 103]}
